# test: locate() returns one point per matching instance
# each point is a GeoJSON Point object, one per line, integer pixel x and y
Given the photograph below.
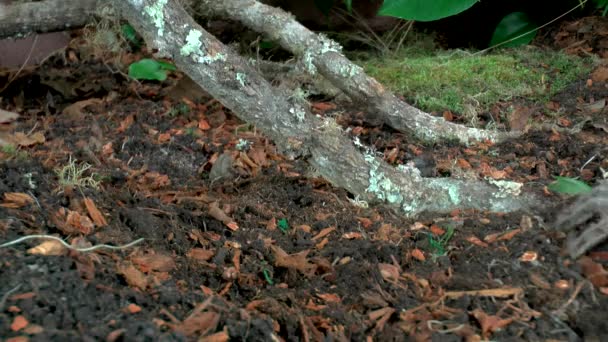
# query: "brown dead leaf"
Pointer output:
{"type": "Point", "coordinates": [509, 235]}
{"type": "Point", "coordinates": [323, 106]}
{"type": "Point", "coordinates": [82, 224]}
{"type": "Point", "coordinates": [220, 215]}
{"type": "Point", "coordinates": [94, 213]}
{"type": "Point", "coordinates": [272, 224]}
{"type": "Point", "coordinates": [436, 230]}
{"type": "Point", "coordinates": [476, 241]}
{"type": "Point", "coordinates": [529, 256]}
{"type": "Point", "coordinates": [322, 243]}
{"type": "Point", "coordinates": [19, 323]}
{"type": "Point", "coordinates": [21, 139]}
{"type": "Point", "coordinates": [199, 324]}
{"type": "Point", "coordinates": [490, 323]}
{"type": "Point", "coordinates": [329, 297]}
{"type": "Point", "coordinates": [16, 200]}
{"type": "Point", "coordinates": [7, 117]}
{"type": "Point", "coordinates": [126, 123]}
{"type": "Point", "coordinates": [365, 222]}
{"type": "Point", "coordinates": [133, 308]}
{"type": "Point", "coordinates": [50, 247]}
{"type": "Point", "coordinates": [418, 254]}
{"type": "Point", "coordinates": [323, 233]}
{"type": "Point", "coordinates": [154, 262]}
{"type": "Point", "coordinates": [488, 171]}
{"type": "Point", "coordinates": [200, 254]}
{"type": "Point", "coordinates": [389, 272]}
{"type": "Point", "coordinates": [463, 164]}
{"type": "Point", "coordinates": [164, 137]}
{"type": "Point", "coordinates": [134, 277]}
{"type": "Point", "coordinates": [297, 261]}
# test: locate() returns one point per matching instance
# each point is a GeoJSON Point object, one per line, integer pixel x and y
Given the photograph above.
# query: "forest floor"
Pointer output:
{"type": "Point", "coordinates": [267, 253]}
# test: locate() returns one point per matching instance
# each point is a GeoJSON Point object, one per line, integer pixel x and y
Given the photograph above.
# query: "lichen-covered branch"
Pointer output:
{"type": "Point", "coordinates": [231, 80]}
{"type": "Point", "coordinates": [323, 55]}
{"type": "Point", "coordinates": [44, 16]}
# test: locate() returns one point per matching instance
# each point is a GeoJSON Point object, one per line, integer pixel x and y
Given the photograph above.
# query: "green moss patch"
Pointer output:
{"type": "Point", "coordinates": [467, 83]}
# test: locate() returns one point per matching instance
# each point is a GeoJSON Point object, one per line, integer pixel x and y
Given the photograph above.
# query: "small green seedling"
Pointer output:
{"type": "Point", "coordinates": [283, 225]}
{"type": "Point", "coordinates": [570, 186]}
{"type": "Point", "coordinates": [268, 277]}
{"type": "Point", "coordinates": [150, 69]}
{"type": "Point", "coordinates": [439, 245]}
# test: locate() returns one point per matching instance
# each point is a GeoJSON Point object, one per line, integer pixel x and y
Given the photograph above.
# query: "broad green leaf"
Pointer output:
{"type": "Point", "coordinates": [424, 10]}
{"type": "Point", "coordinates": [570, 186]}
{"type": "Point", "coordinates": [511, 26]}
{"type": "Point", "coordinates": [149, 69]}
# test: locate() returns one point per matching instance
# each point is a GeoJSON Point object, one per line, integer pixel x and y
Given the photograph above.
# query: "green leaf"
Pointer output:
{"type": "Point", "coordinates": [129, 33]}
{"type": "Point", "coordinates": [567, 185]}
{"type": "Point", "coordinates": [283, 225]}
{"type": "Point", "coordinates": [167, 66]}
{"type": "Point", "coordinates": [149, 69]}
{"type": "Point", "coordinates": [511, 26]}
{"type": "Point", "coordinates": [424, 10]}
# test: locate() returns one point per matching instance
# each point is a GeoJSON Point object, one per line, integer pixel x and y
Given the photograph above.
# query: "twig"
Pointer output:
{"type": "Point", "coordinates": [6, 295]}
{"type": "Point", "coordinates": [85, 249]}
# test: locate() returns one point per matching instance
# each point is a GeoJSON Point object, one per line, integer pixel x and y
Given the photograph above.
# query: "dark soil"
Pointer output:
{"type": "Point", "coordinates": [267, 253]}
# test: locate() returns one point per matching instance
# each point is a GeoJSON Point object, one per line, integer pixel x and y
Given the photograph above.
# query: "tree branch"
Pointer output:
{"type": "Point", "coordinates": [323, 55]}
{"type": "Point", "coordinates": [44, 16]}
{"type": "Point", "coordinates": [231, 80]}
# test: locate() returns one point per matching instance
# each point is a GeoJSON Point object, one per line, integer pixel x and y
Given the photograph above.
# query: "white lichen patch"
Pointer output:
{"type": "Point", "coordinates": [380, 185]}
{"type": "Point", "coordinates": [315, 50]}
{"type": "Point", "coordinates": [193, 43]}
{"type": "Point", "coordinates": [241, 78]}
{"type": "Point", "coordinates": [506, 188]}
{"type": "Point", "coordinates": [195, 49]}
{"type": "Point", "coordinates": [156, 12]}
{"type": "Point", "coordinates": [299, 112]}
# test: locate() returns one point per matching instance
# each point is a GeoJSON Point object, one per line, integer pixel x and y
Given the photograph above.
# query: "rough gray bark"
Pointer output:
{"type": "Point", "coordinates": [230, 79]}
{"type": "Point", "coordinates": [20, 19]}
{"type": "Point", "coordinates": [323, 55]}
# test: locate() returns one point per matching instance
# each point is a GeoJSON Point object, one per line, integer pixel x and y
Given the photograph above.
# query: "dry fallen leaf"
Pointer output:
{"type": "Point", "coordinates": [154, 262]}
{"type": "Point", "coordinates": [50, 247]}
{"type": "Point", "coordinates": [200, 254]}
{"type": "Point", "coordinates": [297, 261]}
{"type": "Point", "coordinates": [94, 213]}
{"type": "Point", "coordinates": [16, 200]}
{"type": "Point", "coordinates": [490, 323]}
{"type": "Point", "coordinates": [418, 254]}
{"type": "Point", "coordinates": [21, 139]}
{"type": "Point", "coordinates": [323, 233]}
{"type": "Point", "coordinates": [19, 323]}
